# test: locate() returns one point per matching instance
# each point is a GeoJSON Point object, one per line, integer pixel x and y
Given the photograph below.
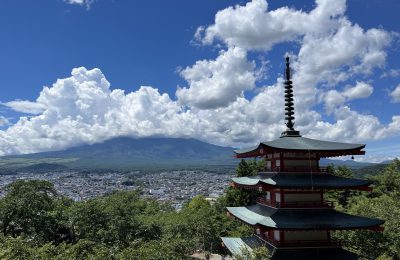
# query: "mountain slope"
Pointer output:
{"type": "Point", "coordinates": [348, 163]}
{"type": "Point", "coordinates": [125, 152]}
{"type": "Point", "coordinates": [143, 153]}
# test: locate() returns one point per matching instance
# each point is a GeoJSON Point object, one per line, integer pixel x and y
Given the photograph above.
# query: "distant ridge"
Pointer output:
{"type": "Point", "coordinates": [126, 152]}
{"type": "Point", "coordinates": [138, 153]}
{"type": "Point", "coordinates": [348, 163]}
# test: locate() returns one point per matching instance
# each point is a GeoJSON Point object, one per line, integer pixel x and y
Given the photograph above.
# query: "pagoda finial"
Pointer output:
{"type": "Point", "coordinates": [289, 104]}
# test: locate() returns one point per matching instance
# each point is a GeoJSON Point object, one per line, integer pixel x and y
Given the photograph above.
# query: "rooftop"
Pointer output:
{"type": "Point", "coordinates": [302, 180]}
{"type": "Point", "coordinates": [302, 144]}
{"type": "Point", "coordinates": [235, 246]}
{"type": "Point", "coordinates": [301, 219]}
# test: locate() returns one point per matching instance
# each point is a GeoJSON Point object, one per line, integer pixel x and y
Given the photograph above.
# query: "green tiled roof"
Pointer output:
{"type": "Point", "coordinates": [236, 244]}
{"type": "Point", "coordinates": [301, 218]}
{"type": "Point", "coordinates": [302, 144]}
{"type": "Point", "coordinates": [302, 180]}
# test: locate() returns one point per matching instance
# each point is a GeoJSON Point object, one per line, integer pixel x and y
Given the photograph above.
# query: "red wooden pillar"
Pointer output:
{"type": "Point", "coordinates": [272, 196]}
{"type": "Point", "coordinates": [322, 197]}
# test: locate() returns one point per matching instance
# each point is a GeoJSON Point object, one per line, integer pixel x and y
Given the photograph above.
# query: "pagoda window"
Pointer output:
{"type": "Point", "coordinates": [268, 196]}
{"type": "Point", "coordinates": [277, 235]}
{"type": "Point", "coordinates": [278, 163]}
{"type": "Point", "coordinates": [268, 165]}
{"type": "Point", "coordinates": [278, 197]}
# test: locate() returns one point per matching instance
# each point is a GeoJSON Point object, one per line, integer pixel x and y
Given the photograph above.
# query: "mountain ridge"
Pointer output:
{"type": "Point", "coordinates": [127, 152]}
{"type": "Point", "coordinates": [130, 153]}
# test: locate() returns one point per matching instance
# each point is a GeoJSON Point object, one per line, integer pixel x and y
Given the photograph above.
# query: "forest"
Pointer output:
{"type": "Point", "coordinates": [38, 223]}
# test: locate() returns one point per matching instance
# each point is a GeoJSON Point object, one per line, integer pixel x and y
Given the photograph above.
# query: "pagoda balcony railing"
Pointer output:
{"type": "Point", "coordinates": [293, 169]}
{"type": "Point", "coordinates": [301, 243]}
{"type": "Point", "coordinates": [297, 204]}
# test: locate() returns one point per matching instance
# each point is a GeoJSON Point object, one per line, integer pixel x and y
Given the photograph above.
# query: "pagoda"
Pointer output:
{"type": "Point", "coordinates": [291, 217]}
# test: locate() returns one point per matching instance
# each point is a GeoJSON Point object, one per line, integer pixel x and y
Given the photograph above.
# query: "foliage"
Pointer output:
{"type": "Point", "coordinates": [260, 253]}
{"type": "Point", "coordinates": [235, 197]}
{"type": "Point", "coordinates": [30, 209]}
{"type": "Point", "coordinates": [245, 169]}
{"type": "Point", "coordinates": [37, 223]}
{"type": "Point", "coordinates": [249, 167]}
{"type": "Point", "coordinates": [388, 182]}
{"type": "Point", "coordinates": [340, 197]}
{"type": "Point", "coordinates": [383, 203]}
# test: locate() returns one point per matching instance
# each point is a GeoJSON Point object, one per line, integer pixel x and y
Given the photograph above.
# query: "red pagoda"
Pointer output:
{"type": "Point", "coordinates": [291, 217]}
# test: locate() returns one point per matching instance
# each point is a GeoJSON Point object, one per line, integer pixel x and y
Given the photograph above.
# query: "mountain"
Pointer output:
{"type": "Point", "coordinates": [348, 163]}
{"type": "Point", "coordinates": [143, 153]}
{"type": "Point", "coordinates": [125, 152]}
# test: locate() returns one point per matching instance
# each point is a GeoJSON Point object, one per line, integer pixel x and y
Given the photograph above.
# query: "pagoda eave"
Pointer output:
{"type": "Point", "coordinates": [324, 181]}
{"type": "Point", "coordinates": [299, 219]}
{"type": "Point", "coordinates": [320, 154]}
{"type": "Point", "coordinates": [302, 145]}
{"type": "Point", "coordinates": [265, 187]}
{"type": "Point", "coordinates": [235, 245]}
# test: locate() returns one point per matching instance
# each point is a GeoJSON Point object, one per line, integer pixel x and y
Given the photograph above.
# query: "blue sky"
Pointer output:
{"type": "Point", "coordinates": [204, 69]}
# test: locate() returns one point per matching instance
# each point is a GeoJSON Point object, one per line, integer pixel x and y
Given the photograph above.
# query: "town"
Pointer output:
{"type": "Point", "coordinates": [173, 186]}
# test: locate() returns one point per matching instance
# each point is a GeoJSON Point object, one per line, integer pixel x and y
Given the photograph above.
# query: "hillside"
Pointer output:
{"type": "Point", "coordinates": [143, 153]}
{"type": "Point", "coordinates": [125, 152]}
{"type": "Point", "coordinates": [349, 163]}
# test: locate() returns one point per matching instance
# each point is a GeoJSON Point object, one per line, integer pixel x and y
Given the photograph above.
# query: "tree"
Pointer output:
{"type": "Point", "coordinates": [341, 197]}
{"type": "Point", "coordinates": [260, 253]}
{"type": "Point", "coordinates": [388, 182]}
{"type": "Point", "coordinates": [343, 171]}
{"type": "Point", "coordinates": [16, 248]}
{"type": "Point", "coordinates": [246, 168]}
{"type": "Point", "coordinates": [235, 197]}
{"type": "Point", "coordinates": [373, 244]}
{"type": "Point", "coordinates": [384, 204]}
{"type": "Point", "coordinates": [26, 209]}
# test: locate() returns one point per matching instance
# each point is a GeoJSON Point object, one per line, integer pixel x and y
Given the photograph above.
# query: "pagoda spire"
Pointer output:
{"type": "Point", "coordinates": [289, 105]}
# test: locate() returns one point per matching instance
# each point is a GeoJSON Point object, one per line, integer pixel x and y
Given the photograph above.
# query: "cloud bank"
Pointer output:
{"type": "Point", "coordinates": [212, 106]}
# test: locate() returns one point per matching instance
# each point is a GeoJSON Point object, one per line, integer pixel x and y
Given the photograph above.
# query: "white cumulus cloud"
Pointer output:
{"type": "Point", "coordinates": [395, 94]}
{"type": "Point", "coordinates": [3, 121]}
{"type": "Point", "coordinates": [25, 106]}
{"type": "Point", "coordinates": [334, 98]}
{"type": "Point", "coordinates": [212, 105]}
{"type": "Point", "coordinates": [216, 83]}
{"type": "Point", "coordinates": [83, 109]}
{"type": "Point", "coordinates": [332, 48]}
{"type": "Point", "coordinates": [360, 90]}
{"type": "Point", "coordinates": [253, 26]}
